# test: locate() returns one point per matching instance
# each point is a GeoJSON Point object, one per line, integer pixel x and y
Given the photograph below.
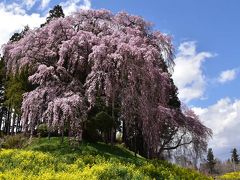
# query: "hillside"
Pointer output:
{"type": "Point", "coordinates": [44, 159]}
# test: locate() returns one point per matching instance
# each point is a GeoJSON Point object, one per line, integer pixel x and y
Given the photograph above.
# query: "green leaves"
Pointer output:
{"type": "Point", "coordinates": [16, 86]}
{"type": "Point", "coordinates": [17, 36]}
{"type": "Point", "coordinates": [56, 12]}
{"type": "Point", "coordinates": [103, 121]}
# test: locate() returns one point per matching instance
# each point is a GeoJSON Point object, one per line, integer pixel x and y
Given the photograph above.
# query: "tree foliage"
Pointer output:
{"type": "Point", "coordinates": [54, 13]}
{"type": "Point", "coordinates": [3, 109]}
{"type": "Point", "coordinates": [210, 160]}
{"type": "Point", "coordinates": [16, 86]}
{"type": "Point", "coordinates": [2, 81]}
{"type": "Point", "coordinates": [118, 58]}
{"type": "Point", "coordinates": [235, 156]}
{"type": "Point", "coordinates": [17, 36]}
{"type": "Point", "coordinates": [12, 89]}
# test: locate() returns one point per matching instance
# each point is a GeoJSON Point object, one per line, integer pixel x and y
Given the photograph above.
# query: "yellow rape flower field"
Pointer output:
{"type": "Point", "coordinates": [47, 159]}
{"type": "Point", "coordinates": [230, 176]}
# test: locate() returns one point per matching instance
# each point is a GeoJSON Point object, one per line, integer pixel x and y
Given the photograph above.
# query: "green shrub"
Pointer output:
{"type": "Point", "coordinates": [16, 141]}
{"type": "Point", "coordinates": [1, 134]}
{"type": "Point", "coordinates": [42, 130]}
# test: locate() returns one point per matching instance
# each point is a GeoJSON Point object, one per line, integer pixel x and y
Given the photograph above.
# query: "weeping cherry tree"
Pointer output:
{"type": "Point", "coordinates": [74, 60]}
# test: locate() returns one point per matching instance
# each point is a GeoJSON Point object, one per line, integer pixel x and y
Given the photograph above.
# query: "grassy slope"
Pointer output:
{"type": "Point", "coordinates": [44, 159]}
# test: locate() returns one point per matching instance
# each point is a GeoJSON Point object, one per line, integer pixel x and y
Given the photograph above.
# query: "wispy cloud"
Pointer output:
{"type": "Point", "coordinates": [44, 3]}
{"type": "Point", "coordinates": [227, 75]}
{"type": "Point", "coordinates": [188, 74]}
{"type": "Point", "coordinates": [13, 8]}
{"type": "Point", "coordinates": [29, 3]}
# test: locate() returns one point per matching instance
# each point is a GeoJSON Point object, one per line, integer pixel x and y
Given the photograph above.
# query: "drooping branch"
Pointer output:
{"type": "Point", "coordinates": [179, 143]}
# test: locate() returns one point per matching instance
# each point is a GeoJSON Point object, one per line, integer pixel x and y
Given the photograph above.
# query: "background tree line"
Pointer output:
{"type": "Point", "coordinates": [215, 166]}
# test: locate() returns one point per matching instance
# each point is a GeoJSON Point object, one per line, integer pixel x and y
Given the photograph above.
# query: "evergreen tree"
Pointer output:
{"type": "Point", "coordinates": [12, 89]}
{"type": "Point", "coordinates": [210, 160]}
{"type": "Point", "coordinates": [16, 86]}
{"type": "Point", "coordinates": [17, 36]}
{"type": "Point", "coordinates": [56, 12]}
{"type": "Point", "coordinates": [235, 157]}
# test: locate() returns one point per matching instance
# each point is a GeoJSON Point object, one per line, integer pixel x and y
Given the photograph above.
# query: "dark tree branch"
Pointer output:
{"type": "Point", "coordinates": [179, 143]}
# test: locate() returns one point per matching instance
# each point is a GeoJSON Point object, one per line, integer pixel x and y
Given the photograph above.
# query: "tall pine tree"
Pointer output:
{"type": "Point", "coordinates": [235, 156]}
{"type": "Point", "coordinates": [56, 12]}
{"type": "Point", "coordinates": [210, 160]}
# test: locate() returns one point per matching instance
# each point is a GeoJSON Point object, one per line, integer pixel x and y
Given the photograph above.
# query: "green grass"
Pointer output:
{"type": "Point", "coordinates": [44, 159]}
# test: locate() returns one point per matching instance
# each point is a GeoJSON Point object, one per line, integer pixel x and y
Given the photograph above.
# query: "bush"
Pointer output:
{"type": "Point", "coordinates": [1, 134]}
{"type": "Point", "coordinates": [16, 141]}
{"type": "Point", "coordinates": [42, 130]}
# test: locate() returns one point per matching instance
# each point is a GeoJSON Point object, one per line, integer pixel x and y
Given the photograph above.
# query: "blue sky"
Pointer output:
{"type": "Point", "coordinates": [206, 38]}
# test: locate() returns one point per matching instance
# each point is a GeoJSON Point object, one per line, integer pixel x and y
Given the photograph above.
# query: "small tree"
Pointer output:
{"type": "Point", "coordinates": [104, 123]}
{"type": "Point", "coordinates": [210, 160]}
{"type": "Point", "coordinates": [235, 158]}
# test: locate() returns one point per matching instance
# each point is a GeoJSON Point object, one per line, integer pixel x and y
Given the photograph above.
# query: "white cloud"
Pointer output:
{"type": "Point", "coordinates": [227, 75]}
{"type": "Point", "coordinates": [14, 8]}
{"type": "Point", "coordinates": [14, 18]}
{"type": "Point", "coordinates": [74, 5]}
{"type": "Point", "coordinates": [45, 3]}
{"type": "Point", "coordinates": [29, 3]}
{"type": "Point", "coordinates": [224, 119]}
{"type": "Point", "coordinates": [188, 74]}
{"type": "Point", "coordinates": [86, 4]}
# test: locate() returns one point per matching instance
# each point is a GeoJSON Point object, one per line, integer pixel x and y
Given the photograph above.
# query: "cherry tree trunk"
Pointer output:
{"type": "Point", "coordinates": [113, 119]}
